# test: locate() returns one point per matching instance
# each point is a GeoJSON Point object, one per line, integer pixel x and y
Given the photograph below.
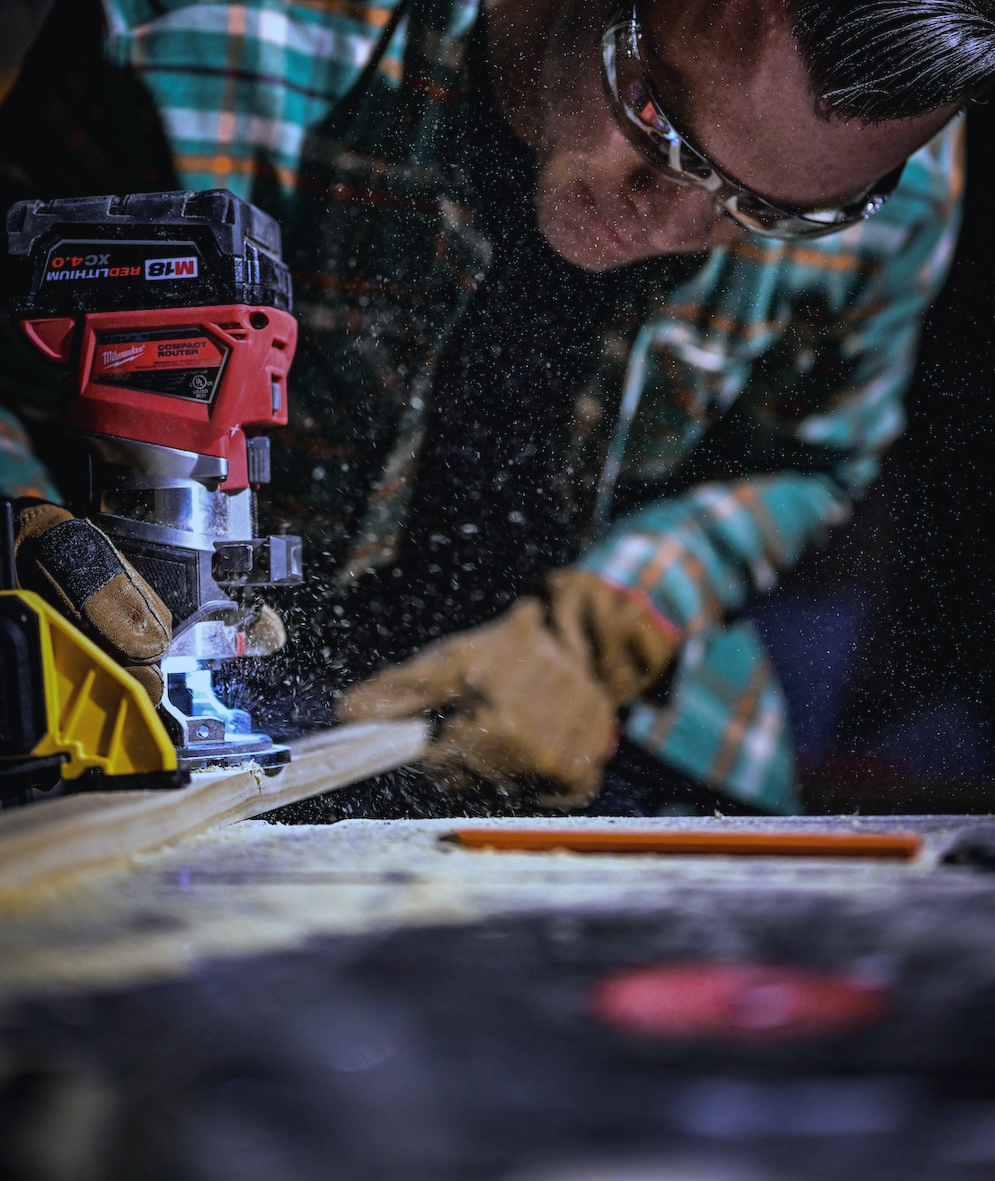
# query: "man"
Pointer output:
{"type": "Point", "coordinates": [606, 318]}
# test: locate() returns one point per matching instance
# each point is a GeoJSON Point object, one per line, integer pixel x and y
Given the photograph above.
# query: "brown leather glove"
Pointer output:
{"type": "Point", "coordinates": [624, 640]}
{"type": "Point", "coordinates": [518, 704]}
{"type": "Point", "coordinates": [532, 695]}
{"type": "Point", "coordinates": [76, 569]}
{"type": "Point", "coordinates": [265, 632]}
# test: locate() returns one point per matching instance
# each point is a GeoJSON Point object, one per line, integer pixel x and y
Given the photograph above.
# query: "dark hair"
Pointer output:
{"type": "Point", "coordinates": [892, 59]}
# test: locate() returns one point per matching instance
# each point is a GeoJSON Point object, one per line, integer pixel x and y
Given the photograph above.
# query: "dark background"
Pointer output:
{"type": "Point", "coordinates": [885, 639]}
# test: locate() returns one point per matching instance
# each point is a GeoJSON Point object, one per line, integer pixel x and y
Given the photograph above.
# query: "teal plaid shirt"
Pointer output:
{"type": "Point", "coordinates": [808, 347]}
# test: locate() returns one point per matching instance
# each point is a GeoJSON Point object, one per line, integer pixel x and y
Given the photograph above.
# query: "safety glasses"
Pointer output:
{"type": "Point", "coordinates": [650, 129]}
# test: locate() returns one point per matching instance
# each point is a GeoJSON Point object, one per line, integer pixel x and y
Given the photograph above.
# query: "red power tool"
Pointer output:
{"type": "Point", "coordinates": [173, 313]}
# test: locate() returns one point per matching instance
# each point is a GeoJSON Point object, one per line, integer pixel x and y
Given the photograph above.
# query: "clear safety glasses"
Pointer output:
{"type": "Point", "coordinates": [650, 129]}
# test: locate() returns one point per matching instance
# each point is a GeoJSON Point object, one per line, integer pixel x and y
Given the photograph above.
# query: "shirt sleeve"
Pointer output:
{"type": "Point", "coordinates": [818, 404]}
{"type": "Point", "coordinates": [21, 472]}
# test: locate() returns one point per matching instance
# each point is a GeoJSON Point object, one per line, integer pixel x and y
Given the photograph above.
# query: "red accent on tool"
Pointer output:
{"type": "Point", "coordinates": [244, 354]}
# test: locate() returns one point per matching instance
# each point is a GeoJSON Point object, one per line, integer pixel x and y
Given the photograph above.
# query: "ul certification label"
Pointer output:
{"type": "Point", "coordinates": [176, 364]}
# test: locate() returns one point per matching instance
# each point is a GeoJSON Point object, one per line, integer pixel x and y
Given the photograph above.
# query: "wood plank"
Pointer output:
{"type": "Point", "coordinates": [44, 843]}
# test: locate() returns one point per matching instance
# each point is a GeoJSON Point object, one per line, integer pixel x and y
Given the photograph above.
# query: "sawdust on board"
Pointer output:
{"type": "Point", "coordinates": [253, 887]}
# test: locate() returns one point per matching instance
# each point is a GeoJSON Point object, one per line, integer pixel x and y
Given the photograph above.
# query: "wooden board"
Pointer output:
{"type": "Point", "coordinates": [254, 888]}
{"type": "Point", "coordinates": [46, 842]}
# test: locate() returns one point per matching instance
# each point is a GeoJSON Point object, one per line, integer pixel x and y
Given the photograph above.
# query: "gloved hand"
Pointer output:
{"type": "Point", "coordinates": [265, 632]}
{"type": "Point", "coordinates": [626, 642]}
{"type": "Point", "coordinates": [517, 704]}
{"type": "Point", "coordinates": [76, 569]}
{"type": "Point", "coordinates": [532, 695]}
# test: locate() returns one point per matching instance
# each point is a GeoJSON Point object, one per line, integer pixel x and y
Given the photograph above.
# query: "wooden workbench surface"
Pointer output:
{"type": "Point", "coordinates": [368, 1000]}
{"type": "Point", "coordinates": [254, 886]}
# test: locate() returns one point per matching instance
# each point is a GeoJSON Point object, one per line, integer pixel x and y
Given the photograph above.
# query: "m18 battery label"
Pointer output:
{"type": "Point", "coordinates": [171, 268]}
{"type": "Point", "coordinates": [88, 262]}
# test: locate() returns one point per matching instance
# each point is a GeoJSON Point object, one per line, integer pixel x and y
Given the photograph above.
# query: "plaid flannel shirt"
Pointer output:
{"type": "Point", "coordinates": [809, 345]}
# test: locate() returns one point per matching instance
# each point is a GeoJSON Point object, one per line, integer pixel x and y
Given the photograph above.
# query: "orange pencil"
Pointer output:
{"type": "Point", "coordinates": [698, 842]}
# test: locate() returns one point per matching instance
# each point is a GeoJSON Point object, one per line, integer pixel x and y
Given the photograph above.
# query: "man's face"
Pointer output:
{"type": "Point", "coordinates": [728, 73]}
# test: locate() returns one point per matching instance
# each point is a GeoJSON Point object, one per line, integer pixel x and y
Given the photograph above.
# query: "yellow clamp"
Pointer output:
{"type": "Point", "coordinates": [97, 714]}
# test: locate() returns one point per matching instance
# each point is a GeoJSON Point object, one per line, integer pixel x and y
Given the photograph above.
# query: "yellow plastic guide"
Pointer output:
{"type": "Point", "coordinates": [94, 715]}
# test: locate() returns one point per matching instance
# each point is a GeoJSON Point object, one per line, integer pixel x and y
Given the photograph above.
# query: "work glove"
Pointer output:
{"type": "Point", "coordinates": [75, 569]}
{"type": "Point", "coordinates": [530, 698]}
{"type": "Point", "coordinates": [626, 642]}
{"type": "Point", "coordinates": [265, 632]}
